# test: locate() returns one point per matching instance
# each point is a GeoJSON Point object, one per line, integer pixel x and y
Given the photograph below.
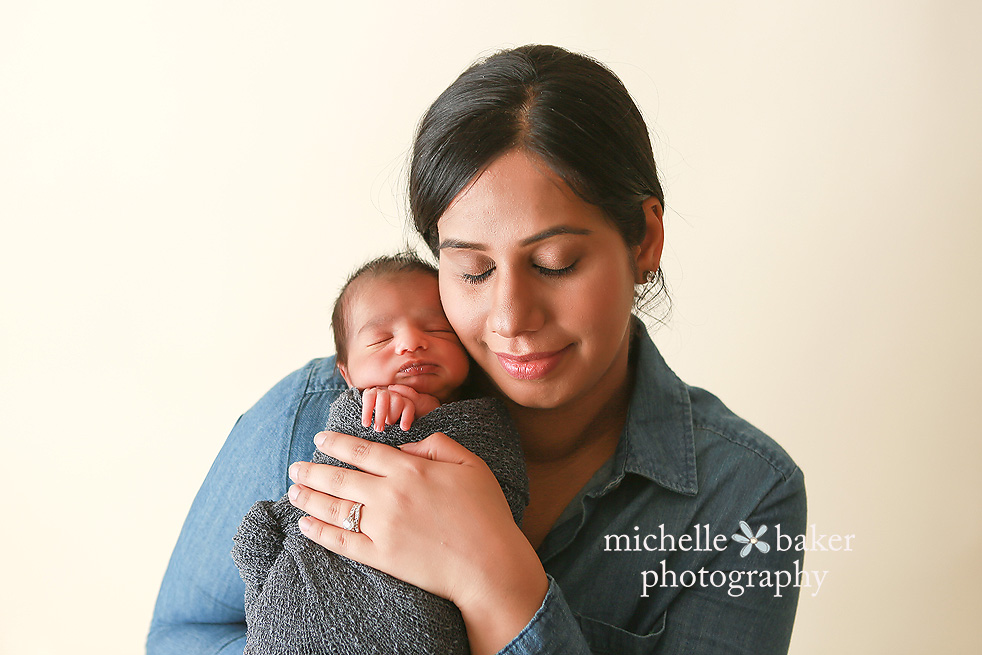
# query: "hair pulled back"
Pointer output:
{"type": "Point", "coordinates": [566, 108]}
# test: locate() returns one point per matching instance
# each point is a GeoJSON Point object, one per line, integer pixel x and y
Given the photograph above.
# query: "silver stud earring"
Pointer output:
{"type": "Point", "coordinates": [649, 277]}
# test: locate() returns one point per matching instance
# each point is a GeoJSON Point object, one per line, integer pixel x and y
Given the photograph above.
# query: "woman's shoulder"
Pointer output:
{"type": "Point", "coordinates": [713, 421]}
{"type": "Point", "coordinates": [691, 437]}
{"type": "Point", "coordinates": [319, 375]}
{"type": "Point", "coordinates": [294, 409]}
{"type": "Point", "coordinates": [316, 376]}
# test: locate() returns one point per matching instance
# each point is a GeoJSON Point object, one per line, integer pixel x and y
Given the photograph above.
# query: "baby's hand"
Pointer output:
{"type": "Point", "coordinates": [395, 403]}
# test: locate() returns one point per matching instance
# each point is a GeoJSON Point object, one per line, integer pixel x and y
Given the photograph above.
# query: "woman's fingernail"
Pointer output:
{"type": "Point", "coordinates": [294, 492]}
{"type": "Point", "coordinates": [294, 469]}
{"type": "Point", "coordinates": [304, 524]}
{"type": "Point", "coordinates": [319, 439]}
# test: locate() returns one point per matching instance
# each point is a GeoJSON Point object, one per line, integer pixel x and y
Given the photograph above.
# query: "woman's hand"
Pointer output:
{"type": "Point", "coordinates": [433, 516]}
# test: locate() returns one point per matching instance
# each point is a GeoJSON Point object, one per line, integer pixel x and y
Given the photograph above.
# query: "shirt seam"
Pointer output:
{"type": "Point", "coordinates": [312, 366]}
{"type": "Point", "coordinates": [779, 469]}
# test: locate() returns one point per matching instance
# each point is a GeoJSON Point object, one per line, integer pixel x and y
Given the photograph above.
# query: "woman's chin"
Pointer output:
{"type": "Point", "coordinates": [532, 395]}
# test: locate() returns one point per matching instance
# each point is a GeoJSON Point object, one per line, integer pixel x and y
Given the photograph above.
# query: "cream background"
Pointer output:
{"type": "Point", "coordinates": [184, 185]}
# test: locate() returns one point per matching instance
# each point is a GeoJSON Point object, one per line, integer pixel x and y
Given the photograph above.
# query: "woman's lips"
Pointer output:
{"type": "Point", "coordinates": [533, 366]}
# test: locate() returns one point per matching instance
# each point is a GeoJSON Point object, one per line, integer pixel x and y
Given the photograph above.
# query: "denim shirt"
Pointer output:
{"type": "Point", "coordinates": [643, 560]}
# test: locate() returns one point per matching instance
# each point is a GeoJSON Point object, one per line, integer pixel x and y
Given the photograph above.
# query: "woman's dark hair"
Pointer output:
{"type": "Point", "coordinates": [566, 108]}
{"type": "Point", "coordinates": [385, 266]}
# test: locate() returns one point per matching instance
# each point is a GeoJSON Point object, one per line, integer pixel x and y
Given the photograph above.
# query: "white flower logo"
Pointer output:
{"type": "Point", "coordinates": [750, 539]}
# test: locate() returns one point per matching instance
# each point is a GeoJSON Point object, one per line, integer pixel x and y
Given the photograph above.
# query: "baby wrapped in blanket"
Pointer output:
{"type": "Point", "coordinates": [394, 341]}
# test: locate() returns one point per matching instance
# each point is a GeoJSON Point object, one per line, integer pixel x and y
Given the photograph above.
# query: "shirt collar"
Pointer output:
{"type": "Point", "coordinates": [657, 442]}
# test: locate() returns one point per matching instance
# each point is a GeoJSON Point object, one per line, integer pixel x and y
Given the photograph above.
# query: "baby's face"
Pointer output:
{"type": "Point", "coordinates": [398, 334]}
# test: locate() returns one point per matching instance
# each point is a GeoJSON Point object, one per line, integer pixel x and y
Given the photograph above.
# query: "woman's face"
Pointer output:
{"type": "Point", "coordinates": [538, 285]}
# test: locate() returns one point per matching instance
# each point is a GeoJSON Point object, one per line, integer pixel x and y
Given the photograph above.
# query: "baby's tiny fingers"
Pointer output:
{"type": "Point", "coordinates": [394, 410]}
{"type": "Point", "coordinates": [381, 409]}
{"type": "Point", "coordinates": [404, 390]}
{"type": "Point", "coordinates": [367, 405]}
{"type": "Point", "coordinates": [408, 415]}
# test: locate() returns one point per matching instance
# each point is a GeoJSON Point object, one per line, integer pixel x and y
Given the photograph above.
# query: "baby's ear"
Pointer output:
{"type": "Point", "coordinates": [343, 370]}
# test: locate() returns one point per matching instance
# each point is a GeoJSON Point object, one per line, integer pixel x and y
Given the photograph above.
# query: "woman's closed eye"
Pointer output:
{"type": "Point", "coordinates": [471, 278]}
{"type": "Point", "coordinates": [555, 272]}
{"type": "Point", "coordinates": [548, 271]}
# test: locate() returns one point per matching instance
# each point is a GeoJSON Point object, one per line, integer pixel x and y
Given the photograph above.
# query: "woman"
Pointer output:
{"type": "Point", "coordinates": [533, 181]}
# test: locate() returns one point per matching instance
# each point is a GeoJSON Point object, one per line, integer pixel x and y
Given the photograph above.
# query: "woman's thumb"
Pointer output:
{"type": "Point", "coordinates": [439, 448]}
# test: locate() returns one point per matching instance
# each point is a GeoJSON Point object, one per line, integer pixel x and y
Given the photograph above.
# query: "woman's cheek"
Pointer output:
{"type": "Point", "coordinates": [462, 310]}
{"type": "Point", "coordinates": [602, 302]}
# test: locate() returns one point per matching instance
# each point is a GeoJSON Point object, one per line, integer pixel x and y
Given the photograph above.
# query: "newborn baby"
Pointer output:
{"type": "Point", "coordinates": [405, 366]}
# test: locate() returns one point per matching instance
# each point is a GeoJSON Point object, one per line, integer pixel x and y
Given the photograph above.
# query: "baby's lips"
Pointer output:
{"type": "Point", "coordinates": [417, 368]}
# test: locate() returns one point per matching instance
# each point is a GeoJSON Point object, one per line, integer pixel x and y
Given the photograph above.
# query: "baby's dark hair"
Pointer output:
{"type": "Point", "coordinates": [385, 266]}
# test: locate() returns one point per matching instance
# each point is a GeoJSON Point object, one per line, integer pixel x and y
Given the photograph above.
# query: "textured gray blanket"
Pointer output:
{"type": "Point", "coordinates": [303, 599]}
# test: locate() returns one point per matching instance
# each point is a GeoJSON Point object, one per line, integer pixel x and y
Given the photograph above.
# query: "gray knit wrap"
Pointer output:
{"type": "Point", "coordinates": [301, 598]}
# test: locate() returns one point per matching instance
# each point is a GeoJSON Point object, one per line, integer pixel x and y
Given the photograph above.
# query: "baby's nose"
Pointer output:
{"type": "Point", "coordinates": [411, 341]}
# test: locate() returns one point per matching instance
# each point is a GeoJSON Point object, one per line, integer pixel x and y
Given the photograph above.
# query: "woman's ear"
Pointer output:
{"type": "Point", "coordinates": [649, 252]}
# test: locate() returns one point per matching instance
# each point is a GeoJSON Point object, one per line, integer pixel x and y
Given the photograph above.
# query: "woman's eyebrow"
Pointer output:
{"type": "Point", "coordinates": [460, 245]}
{"type": "Point", "coordinates": [554, 231]}
{"type": "Point", "coordinates": [535, 238]}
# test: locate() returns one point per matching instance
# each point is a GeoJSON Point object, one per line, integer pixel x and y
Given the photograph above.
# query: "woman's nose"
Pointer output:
{"type": "Point", "coordinates": [410, 340]}
{"type": "Point", "coordinates": [515, 307]}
